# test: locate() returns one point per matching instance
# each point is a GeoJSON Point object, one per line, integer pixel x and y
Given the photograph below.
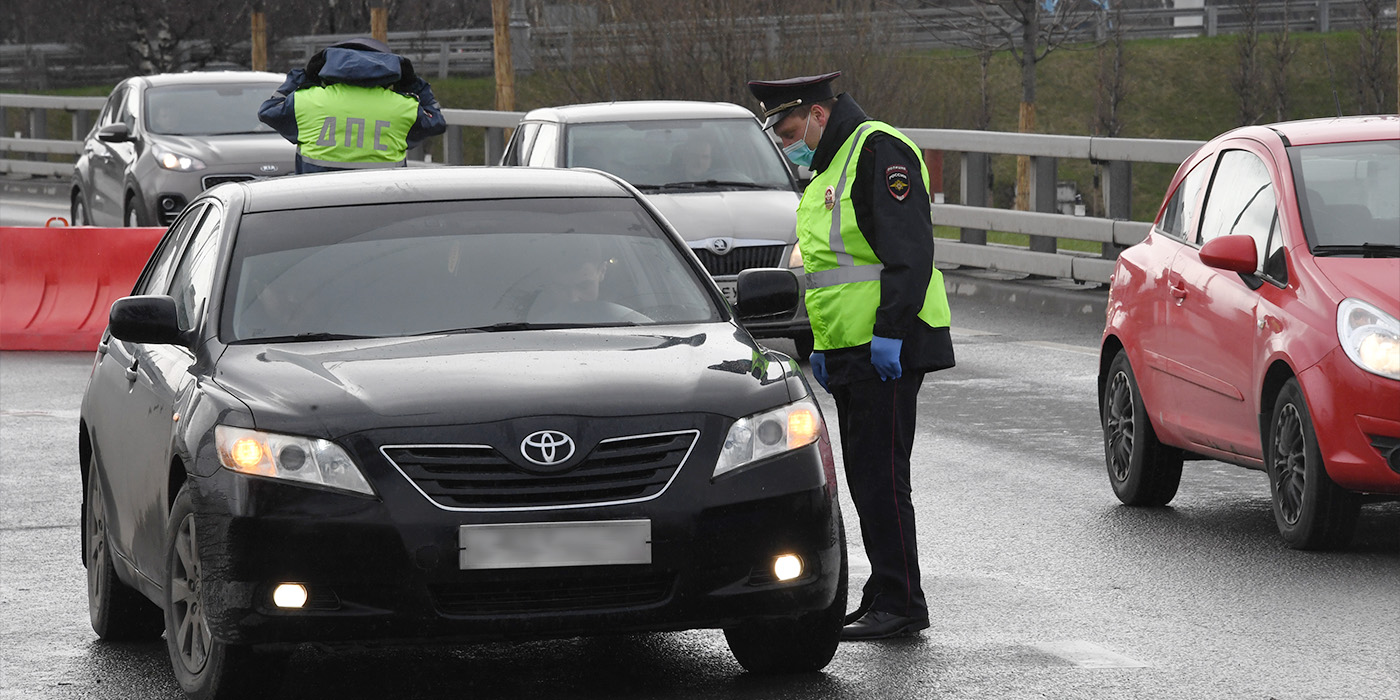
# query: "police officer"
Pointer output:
{"type": "Point", "coordinates": [355, 105]}
{"type": "Point", "coordinates": [879, 318]}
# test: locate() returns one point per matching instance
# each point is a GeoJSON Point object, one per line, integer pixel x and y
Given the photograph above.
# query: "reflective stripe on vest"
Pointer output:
{"type": "Point", "coordinates": [843, 275]}
{"type": "Point", "coordinates": [341, 165]}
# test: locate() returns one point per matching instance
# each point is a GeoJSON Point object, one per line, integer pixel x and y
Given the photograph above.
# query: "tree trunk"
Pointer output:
{"type": "Point", "coordinates": [505, 73]}
{"type": "Point", "coordinates": [1025, 123]}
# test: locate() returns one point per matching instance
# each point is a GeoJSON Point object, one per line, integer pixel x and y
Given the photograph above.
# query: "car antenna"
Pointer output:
{"type": "Point", "coordinates": [1332, 78]}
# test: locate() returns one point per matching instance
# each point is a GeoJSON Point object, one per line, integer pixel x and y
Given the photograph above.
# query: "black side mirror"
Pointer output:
{"type": "Point", "coordinates": [146, 319]}
{"type": "Point", "coordinates": [766, 292]}
{"type": "Point", "coordinates": [114, 133]}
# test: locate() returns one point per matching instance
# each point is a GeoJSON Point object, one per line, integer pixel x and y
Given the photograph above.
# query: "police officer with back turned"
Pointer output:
{"type": "Point", "coordinates": [355, 105]}
{"type": "Point", "coordinates": [879, 318]}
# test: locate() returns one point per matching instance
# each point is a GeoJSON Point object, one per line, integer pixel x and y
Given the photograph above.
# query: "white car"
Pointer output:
{"type": "Point", "coordinates": [708, 167]}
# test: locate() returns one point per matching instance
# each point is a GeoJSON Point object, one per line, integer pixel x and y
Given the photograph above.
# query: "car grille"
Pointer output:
{"type": "Point", "coordinates": [478, 477]}
{"type": "Point", "coordinates": [554, 594]}
{"type": "Point", "coordinates": [740, 258]}
{"type": "Point", "coordinates": [211, 180]}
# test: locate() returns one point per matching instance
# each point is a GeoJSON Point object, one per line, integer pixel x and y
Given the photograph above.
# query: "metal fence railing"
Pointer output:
{"type": "Point", "coordinates": [34, 156]}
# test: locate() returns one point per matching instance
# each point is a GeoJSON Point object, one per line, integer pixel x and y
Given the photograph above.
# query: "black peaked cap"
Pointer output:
{"type": "Point", "coordinates": [777, 98]}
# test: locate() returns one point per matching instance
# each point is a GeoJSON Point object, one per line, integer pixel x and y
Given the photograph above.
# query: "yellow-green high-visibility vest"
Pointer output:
{"type": "Point", "coordinates": [350, 126]}
{"type": "Point", "coordinates": [843, 272]}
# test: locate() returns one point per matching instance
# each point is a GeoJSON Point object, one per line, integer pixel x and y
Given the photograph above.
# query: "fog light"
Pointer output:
{"type": "Point", "coordinates": [289, 595]}
{"type": "Point", "coordinates": [787, 567]}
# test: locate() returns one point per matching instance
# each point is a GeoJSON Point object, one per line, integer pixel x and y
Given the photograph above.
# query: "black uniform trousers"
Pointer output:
{"type": "Point", "coordinates": [876, 419]}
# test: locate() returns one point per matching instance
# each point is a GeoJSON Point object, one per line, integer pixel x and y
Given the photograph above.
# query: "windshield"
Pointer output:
{"type": "Point", "coordinates": [207, 110]}
{"type": "Point", "coordinates": [731, 152]}
{"type": "Point", "coordinates": [419, 268]}
{"type": "Point", "coordinates": [1350, 191]}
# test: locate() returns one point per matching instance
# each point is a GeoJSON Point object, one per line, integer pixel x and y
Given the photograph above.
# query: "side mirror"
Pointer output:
{"type": "Point", "coordinates": [114, 133]}
{"type": "Point", "coordinates": [766, 292]}
{"type": "Point", "coordinates": [146, 319]}
{"type": "Point", "coordinates": [1235, 253]}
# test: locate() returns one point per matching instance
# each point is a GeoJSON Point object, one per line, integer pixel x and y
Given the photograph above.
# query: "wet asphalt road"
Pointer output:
{"type": "Point", "coordinates": [1042, 586]}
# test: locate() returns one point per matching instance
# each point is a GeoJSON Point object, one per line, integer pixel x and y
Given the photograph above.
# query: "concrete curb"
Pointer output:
{"type": "Point", "coordinates": [1046, 296]}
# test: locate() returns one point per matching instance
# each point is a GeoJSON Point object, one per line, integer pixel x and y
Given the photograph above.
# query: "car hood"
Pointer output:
{"type": "Point", "coordinates": [330, 389]}
{"type": "Point", "coordinates": [257, 149]}
{"type": "Point", "coordinates": [746, 214]}
{"type": "Point", "coordinates": [1373, 280]}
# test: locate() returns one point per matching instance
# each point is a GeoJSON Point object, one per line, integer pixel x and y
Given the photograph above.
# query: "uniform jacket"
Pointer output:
{"type": "Point", "coordinates": [900, 232]}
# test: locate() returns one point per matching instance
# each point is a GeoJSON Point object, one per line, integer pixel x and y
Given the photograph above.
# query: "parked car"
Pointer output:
{"type": "Point", "coordinates": [162, 139]}
{"type": "Point", "coordinates": [1257, 325]}
{"type": "Point", "coordinates": [557, 429]}
{"type": "Point", "coordinates": [707, 166]}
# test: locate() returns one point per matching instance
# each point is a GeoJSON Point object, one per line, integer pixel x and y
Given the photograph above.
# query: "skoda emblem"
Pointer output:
{"type": "Point", "coordinates": [547, 447]}
{"type": "Point", "coordinates": [269, 168]}
{"type": "Point", "coordinates": [720, 246]}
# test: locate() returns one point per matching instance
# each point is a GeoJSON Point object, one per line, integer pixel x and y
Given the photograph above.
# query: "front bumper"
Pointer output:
{"type": "Point", "coordinates": [1356, 416]}
{"type": "Point", "coordinates": [386, 569]}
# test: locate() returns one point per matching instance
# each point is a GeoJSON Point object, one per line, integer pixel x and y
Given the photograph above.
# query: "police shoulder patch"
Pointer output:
{"type": "Point", "coordinates": [897, 180]}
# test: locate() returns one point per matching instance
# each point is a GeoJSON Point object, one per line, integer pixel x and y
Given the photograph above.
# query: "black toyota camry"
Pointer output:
{"type": "Point", "coordinates": [456, 404]}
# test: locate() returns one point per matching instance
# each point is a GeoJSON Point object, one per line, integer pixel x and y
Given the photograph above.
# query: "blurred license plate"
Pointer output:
{"type": "Point", "coordinates": [730, 290]}
{"type": "Point", "coordinates": [532, 545]}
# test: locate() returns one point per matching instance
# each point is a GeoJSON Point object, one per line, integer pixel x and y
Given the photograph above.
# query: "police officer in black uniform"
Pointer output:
{"type": "Point", "coordinates": [879, 318]}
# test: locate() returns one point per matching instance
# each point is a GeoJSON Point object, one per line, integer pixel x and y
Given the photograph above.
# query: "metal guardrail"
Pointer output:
{"type": "Point", "coordinates": [972, 217]}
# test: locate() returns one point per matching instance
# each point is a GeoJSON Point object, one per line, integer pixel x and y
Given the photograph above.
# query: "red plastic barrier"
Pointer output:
{"type": "Point", "coordinates": [58, 284]}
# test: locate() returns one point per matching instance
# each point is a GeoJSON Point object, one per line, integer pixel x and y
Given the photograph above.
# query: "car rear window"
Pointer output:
{"type": "Point", "coordinates": [1347, 192]}
{"type": "Point", "coordinates": [207, 110]}
{"type": "Point", "coordinates": [417, 268]}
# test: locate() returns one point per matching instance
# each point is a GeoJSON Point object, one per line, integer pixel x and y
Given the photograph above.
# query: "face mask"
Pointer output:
{"type": "Point", "coordinates": [799, 152]}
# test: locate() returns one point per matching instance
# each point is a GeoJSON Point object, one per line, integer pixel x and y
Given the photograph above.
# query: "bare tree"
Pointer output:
{"type": "Point", "coordinates": [1284, 50]}
{"type": "Point", "coordinates": [1112, 86]}
{"type": "Point", "coordinates": [1373, 69]}
{"type": "Point", "coordinates": [1030, 30]}
{"type": "Point", "coordinates": [1246, 81]}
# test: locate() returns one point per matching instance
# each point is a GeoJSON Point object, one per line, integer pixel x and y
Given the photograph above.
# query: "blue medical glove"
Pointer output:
{"type": "Point", "coordinates": [818, 361]}
{"type": "Point", "coordinates": [884, 354]}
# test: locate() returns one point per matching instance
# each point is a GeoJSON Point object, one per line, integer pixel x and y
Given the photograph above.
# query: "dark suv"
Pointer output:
{"type": "Point", "coordinates": [709, 168]}
{"type": "Point", "coordinates": [162, 139]}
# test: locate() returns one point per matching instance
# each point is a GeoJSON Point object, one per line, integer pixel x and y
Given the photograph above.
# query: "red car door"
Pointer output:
{"type": "Point", "coordinates": [1215, 340]}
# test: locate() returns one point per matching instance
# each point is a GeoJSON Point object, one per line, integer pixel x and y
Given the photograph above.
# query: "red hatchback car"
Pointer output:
{"type": "Point", "coordinates": [1259, 324]}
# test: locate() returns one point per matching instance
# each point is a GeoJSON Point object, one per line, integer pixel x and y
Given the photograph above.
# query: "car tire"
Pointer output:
{"type": "Point", "coordinates": [1310, 510]}
{"type": "Point", "coordinates": [1142, 470]}
{"type": "Point", "coordinates": [801, 644]}
{"type": "Point", "coordinates": [78, 212]}
{"type": "Point", "coordinates": [119, 613]}
{"type": "Point", "coordinates": [131, 213]}
{"type": "Point", "coordinates": [207, 668]}
{"type": "Point", "coordinates": [803, 343]}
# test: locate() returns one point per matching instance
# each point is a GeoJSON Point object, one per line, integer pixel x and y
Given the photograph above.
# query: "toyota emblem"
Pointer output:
{"type": "Point", "coordinates": [720, 246]}
{"type": "Point", "coordinates": [547, 447]}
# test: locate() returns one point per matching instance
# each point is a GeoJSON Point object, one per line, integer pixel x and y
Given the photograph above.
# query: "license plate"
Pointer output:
{"type": "Point", "coordinates": [730, 290]}
{"type": "Point", "coordinates": [535, 545]}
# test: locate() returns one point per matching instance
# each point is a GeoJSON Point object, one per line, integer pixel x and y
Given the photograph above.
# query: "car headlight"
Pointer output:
{"type": "Point", "coordinates": [1370, 337]}
{"type": "Point", "coordinates": [179, 162]}
{"type": "Point", "coordinates": [795, 258]}
{"type": "Point", "coordinates": [290, 457]}
{"type": "Point", "coordinates": [763, 435]}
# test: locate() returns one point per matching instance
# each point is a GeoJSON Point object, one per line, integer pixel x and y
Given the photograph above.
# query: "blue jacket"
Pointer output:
{"type": "Point", "coordinates": [355, 67]}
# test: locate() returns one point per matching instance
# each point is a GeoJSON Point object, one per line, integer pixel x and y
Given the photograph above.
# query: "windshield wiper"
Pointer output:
{"type": "Point", "coordinates": [311, 337]}
{"type": "Point", "coordinates": [492, 328]}
{"type": "Point", "coordinates": [694, 184]}
{"type": "Point", "coordinates": [1368, 250]}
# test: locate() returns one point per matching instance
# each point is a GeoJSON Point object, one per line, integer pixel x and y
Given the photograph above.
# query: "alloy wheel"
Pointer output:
{"type": "Point", "coordinates": [1118, 424]}
{"type": "Point", "coordinates": [192, 638]}
{"type": "Point", "coordinates": [96, 543]}
{"type": "Point", "coordinates": [1290, 463]}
